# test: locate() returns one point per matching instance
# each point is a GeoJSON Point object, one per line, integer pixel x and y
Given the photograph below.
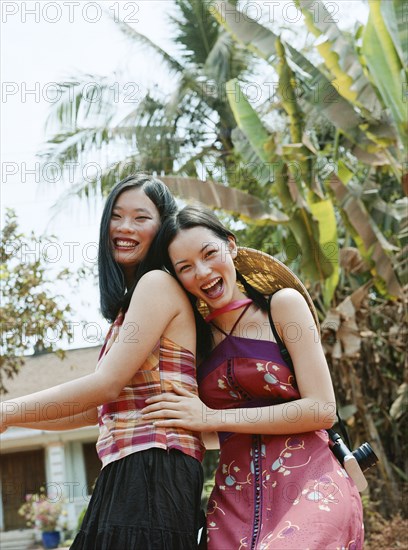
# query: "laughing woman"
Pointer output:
{"type": "Point", "coordinates": [148, 492]}
{"type": "Point", "coordinates": [278, 485]}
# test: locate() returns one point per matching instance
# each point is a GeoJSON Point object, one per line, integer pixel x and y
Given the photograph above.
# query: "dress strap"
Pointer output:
{"type": "Point", "coordinates": [236, 322]}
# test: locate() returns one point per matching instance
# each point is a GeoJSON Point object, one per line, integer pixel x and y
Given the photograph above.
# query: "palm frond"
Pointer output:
{"type": "Point", "coordinates": [134, 35]}
{"type": "Point", "coordinates": [195, 30]}
{"type": "Point", "coordinates": [87, 101]}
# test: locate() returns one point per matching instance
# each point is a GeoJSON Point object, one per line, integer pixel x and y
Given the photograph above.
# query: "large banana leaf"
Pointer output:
{"type": "Point", "coordinates": [341, 59]}
{"type": "Point", "coordinates": [246, 121]}
{"type": "Point", "coordinates": [385, 67]}
{"type": "Point", "coordinates": [262, 172]}
{"type": "Point", "coordinates": [287, 93]}
{"type": "Point", "coordinates": [323, 212]}
{"type": "Point", "coordinates": [317, 89]}
{"type": "Point", "coordinates": [394, 13]}
{"type": "Point", "coordinates": [302, 157]}
{"type": "Point", "coordinates": [370, 241]}
{"type": "Point", "coordinates": [303, 226]}
{"type": "Point", "coordinates": [214, 195]}
{"type": "Point", "coordinates": [314, 263]}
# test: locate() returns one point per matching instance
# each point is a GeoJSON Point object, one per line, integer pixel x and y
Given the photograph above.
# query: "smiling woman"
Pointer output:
{"type": "Point", "coordinates": [132, 229]}
{"type": "Point", "coordinates": [278, 484]}
{"type": "Point", "coordinates": [205, 271]}
{"type": "Point", "coordinates": [148, 493]}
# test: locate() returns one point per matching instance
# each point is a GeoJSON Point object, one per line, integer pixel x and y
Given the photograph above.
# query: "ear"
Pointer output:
{"type": "Point", "coordinates": [232, 247]}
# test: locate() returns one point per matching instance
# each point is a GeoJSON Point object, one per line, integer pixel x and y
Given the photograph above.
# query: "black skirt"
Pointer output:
{"type": "Point", "coordinates": [149, 500]}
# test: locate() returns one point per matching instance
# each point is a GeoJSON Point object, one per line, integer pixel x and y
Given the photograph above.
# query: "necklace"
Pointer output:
{"type": "Point", "coordinates": [235, 304]}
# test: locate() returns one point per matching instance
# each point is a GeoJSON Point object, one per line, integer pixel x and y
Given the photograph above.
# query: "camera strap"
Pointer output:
{"type": "Point", "coordinates": [288, 360]}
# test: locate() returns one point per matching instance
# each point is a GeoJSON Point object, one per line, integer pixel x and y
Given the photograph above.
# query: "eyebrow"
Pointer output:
{"type": "Point", "coordinates": [202, 250]}
{"type": "Point", "coordinates": [134, 210]}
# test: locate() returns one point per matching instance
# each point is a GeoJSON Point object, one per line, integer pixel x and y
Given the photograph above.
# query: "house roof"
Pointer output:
{"type": "Point", "coordinates": [43, 371]}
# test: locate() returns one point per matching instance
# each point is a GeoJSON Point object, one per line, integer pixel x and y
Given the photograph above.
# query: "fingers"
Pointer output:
{"type": "Point", "coordinates": [178, 391]}
{"type": "Point", "coordinates": [181, 391]}
{"type": "Point", "coordinates": [161, 406]}
{"type": "Point", "coordinates": [160, 414]}
{"type": "Point", "coordinates": [164, 397]}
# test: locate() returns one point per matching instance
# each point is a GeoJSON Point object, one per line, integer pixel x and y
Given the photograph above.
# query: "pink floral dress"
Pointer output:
{"type": "Point", "coordinates": [273, 491]}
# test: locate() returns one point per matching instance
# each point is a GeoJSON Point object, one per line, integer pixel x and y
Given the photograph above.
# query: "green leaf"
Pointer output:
{"type": "Point", "coordinates": [371, 243]}
{"type": "Point", "coordinates": [287, 93]}
{"type": "Point", "coordinates": [247, 119]}
{"type": "Point", "coordinates": [252, 35]}
{"type": "Point", "coordinates": [305, 229]}
{"type": "Point", "coordinates": [302, 224]}
{"type": "Point", "coordinates": [318, 92]}
{"type": "Point", "coordinates": [395, 19]}
{"type": "Point", "coordinates": [385, 67]}
{"type": "Point", "coordinates": [340, 58]}
{"type": "Point", "coordinates": [260, 170]}
{"type": "Point", "coordinates": [323, 212]}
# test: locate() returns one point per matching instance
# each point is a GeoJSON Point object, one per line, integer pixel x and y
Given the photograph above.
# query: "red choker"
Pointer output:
{"type": "Point", "coordinates": [236, 304]}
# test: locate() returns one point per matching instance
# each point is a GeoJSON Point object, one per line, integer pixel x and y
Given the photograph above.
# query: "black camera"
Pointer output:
{"type": "Point", "coordinates": [364, 454]}
{"type": "Point", "coordinates": [354, 462]}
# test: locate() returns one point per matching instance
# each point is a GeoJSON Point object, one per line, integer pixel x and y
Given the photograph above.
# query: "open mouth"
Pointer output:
{"type": "Point", "coordinates": [214, 288]}
{"type": "Point", "coordinates": [124, 244]}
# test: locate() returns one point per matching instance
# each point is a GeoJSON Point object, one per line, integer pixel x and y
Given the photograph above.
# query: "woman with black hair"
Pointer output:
{"type": "Point", "coordinates": [278, 485]}
{"type": "Point", "coordinates": [149, 490]}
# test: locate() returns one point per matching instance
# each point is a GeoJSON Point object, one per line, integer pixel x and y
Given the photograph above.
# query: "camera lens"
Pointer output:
{"type": "Point", "coordinates": [365, 456]}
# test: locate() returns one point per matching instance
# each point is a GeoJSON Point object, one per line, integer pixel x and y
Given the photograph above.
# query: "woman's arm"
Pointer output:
{"type": "Point", "coordinates": [156, 301]}
{"type": "Point", "coordinates": [87, 418]}
{"type": "Point", "coordinates": [313, 411]}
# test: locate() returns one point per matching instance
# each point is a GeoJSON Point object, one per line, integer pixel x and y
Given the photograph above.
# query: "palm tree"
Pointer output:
{"type": "Point", "coordinates": [184, 133]}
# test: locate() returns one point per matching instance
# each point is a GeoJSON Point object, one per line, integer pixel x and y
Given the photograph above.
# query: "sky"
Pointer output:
{"type": "Point", "coordinates": [42, 44]}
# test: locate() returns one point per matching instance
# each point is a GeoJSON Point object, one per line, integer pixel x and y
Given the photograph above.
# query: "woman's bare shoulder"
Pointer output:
{"type": "Point", "coordinates": [156, 278]}
{"type": "Point", "coordinates": [160, 284]}
{"type": "Point", "coordinates": [287, 296]}
{"type": "Point", "coordinates": [289, 305]}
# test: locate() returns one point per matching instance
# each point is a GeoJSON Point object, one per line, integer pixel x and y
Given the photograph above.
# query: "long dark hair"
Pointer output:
{"type": "Point", "coordinates": [188, 218]}
{"type": "Point", "coordinates": [113, 292]}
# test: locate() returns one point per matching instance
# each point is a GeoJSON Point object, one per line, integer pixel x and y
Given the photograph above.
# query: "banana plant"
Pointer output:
{"type": "Point", "coordinates": [366, 134]}
{"type": "Point", "coordinates": [323, 92]}
{"type": "Point", "coordinates": [311, 218]}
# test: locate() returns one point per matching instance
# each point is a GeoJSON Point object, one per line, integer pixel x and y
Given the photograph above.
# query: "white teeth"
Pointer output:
{"type": "Point", "coordinates": [128, 244]}
{"type": "Point", "coordinates": [210, 285]}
